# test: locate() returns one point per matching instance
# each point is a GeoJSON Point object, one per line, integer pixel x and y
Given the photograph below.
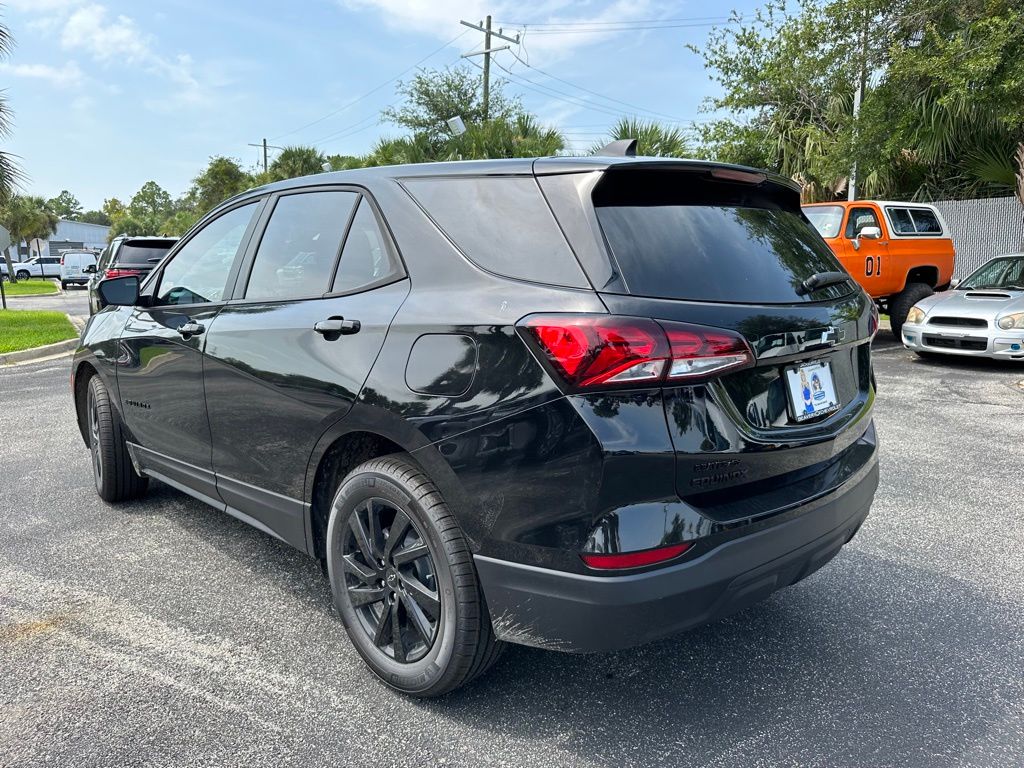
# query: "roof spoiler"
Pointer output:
{"type": "Point", "coordinates": [620, 148]}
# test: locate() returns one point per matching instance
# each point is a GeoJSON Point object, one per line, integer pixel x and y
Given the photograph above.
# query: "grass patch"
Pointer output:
{"type": "Point", "coordinates": [24, 329]}
{"type": "Point", "coordinates": [28, 287]}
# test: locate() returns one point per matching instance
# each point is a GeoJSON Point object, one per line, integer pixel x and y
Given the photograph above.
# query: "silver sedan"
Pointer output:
{"type": "Point", "coordinates": [983, 316]}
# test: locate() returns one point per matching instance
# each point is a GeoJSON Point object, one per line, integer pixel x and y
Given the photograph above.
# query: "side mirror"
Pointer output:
{"type": "Point", "coordinates": [119, 291]}
{"type": "Point", "coordinates": [91, 269]}
{"type": "Point", "coordinates": [871, 233]}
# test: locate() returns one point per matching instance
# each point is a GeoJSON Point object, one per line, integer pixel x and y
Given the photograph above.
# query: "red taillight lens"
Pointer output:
{"type": "Point", "coordinates": [634, 559]}
{"type": "Point", "coordinates": [62, 261]}
{"type": "Point", "coordinates": [700, 351]}
{"type": "Point", "coordinates": [120, 273]}
{"type": "Point", "coordinates": [591, 351]}
{"type": "Point", "coordinates": [873, 321]}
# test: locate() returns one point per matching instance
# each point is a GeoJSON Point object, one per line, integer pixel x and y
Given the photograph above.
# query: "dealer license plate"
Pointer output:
{"type": "Point", "coordinates": [811, 390]}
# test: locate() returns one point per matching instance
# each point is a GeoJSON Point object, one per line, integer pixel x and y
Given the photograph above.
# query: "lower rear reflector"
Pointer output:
{"type": "Point", "coordinates": [634, 559]}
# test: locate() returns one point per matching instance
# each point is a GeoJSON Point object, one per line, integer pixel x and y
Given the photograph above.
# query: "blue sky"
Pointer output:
{"type": "Point", "coordinates": [108, 95]}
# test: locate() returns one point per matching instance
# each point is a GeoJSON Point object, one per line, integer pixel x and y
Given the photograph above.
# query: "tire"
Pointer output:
{"type": "Point", "coordinates": [112, 469]}
{"type": "Point", "coordinates": [23, 275]}
{"type": "Point", "coordinates": [419, 576]}
{"type": "Point", "coordinates": [63, 285]}
{"type": "Point", "coordinates": [900, 304]}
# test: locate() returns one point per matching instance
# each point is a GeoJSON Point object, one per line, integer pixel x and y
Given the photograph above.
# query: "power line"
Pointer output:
{"type": "Point", "coordinates": [606, 23]}
{"type": "Point", "coordinates": [371, 91]}
{"type": "Point", "coordinates": [576, 101]}
{"type": "Point", "coordinates": [594, 93]}
{"type": "Point", "coordinates": [609, 30]}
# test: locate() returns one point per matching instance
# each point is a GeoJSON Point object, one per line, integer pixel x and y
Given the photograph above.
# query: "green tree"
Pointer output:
{"type": "Point", "coordinates": [27, 218]}
{"type": "Point", "coordinates": [517, 136]}
{"type": "Point", "coordinates": [222, 178]}
{"type": "Point", "coordinates": [180, 222]}
{"type": "Point", "coordinates": [151, 201]}
{"type": "Point", "coordinates": [95, 217]}
{"type": "Point", "coordinates": [296, 161]}
{"type": "Point", "coordinates": [432, 97]}
{"type": "Point", "coordinates": [65, 205]}
{"type": "Point", "coordinates": [941, 113]}
{"type": "Point", "coordinates": [112, 207]}
{"type": "Point", "coordinates": [653, 139]}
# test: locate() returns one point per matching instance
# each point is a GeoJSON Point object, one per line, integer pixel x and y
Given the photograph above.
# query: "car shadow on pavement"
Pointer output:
{"type": "Point", "coordinates": [868, 662]}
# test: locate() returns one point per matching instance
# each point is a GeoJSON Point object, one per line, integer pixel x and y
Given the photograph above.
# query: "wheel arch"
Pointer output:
{"type": "Point", "coordinates": [922, 273]}
{"type": "Point", "coordinates": [81, 376]}
{"type": "Point", "coordinates": [367, 433]}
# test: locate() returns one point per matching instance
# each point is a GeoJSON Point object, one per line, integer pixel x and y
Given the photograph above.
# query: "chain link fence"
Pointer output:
{"type": "Point", "coordinates": [982, 229]}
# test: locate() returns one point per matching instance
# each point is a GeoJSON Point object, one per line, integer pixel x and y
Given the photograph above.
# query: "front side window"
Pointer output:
{"type": "Point", "coordinates": [300, 246]}
{"type": "Point", "coordinates": [198, 273]}
{"type": "Point", "coordinates": [827, 219]}
{"type": "Point", "coordinates": [859, 219]}
{"type": "Point", "coordinates": [366, 258]}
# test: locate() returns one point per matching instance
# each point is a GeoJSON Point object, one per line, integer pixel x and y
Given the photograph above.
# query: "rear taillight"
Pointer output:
{"type": "Point", "coordinates": [873, 321]}
{"type": "Point", "coordinates": [120, 273]}
{"type": "Point", "coordinates": [62, 261]}
{"type": "Point", "coordinates": [634, 559]}
{"type": "Point", "coordinates": [600, 351]}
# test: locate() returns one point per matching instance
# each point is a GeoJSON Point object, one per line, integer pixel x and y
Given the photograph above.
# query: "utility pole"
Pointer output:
{"type": "Point", "coordinates": [485, 27]}
{"type": "Point", "coordinates": [265, 146]}
{"type": "Point", "coordinates": [858, 97]}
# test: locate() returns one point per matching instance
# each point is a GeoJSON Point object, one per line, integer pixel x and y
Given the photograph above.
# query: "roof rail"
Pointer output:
{"type": "Point", "coordinates": [619, 148]}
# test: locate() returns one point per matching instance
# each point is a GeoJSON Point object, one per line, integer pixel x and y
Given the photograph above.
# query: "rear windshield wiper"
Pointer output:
{"type": "Point", "coordinates": [820, 280]}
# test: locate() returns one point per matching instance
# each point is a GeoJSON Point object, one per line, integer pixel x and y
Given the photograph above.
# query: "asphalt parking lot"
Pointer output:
{"type": "Point", "coordinates": [165, 633]}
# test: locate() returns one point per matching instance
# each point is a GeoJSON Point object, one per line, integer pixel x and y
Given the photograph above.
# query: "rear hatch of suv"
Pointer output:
{"type": "Point", "coordinates": [719, 256]}
{"type": "Point", "coordinates": [138, 255]}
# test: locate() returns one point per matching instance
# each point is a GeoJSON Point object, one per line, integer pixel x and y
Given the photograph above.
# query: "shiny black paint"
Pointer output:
{"type": "Point", "coordinates": [437, 368]}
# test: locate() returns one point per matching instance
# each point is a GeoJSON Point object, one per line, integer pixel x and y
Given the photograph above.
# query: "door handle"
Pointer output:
{"type": "Point", "coordinates": [333, 327]}
{"type": "Point", "coordinates": [191, 328]}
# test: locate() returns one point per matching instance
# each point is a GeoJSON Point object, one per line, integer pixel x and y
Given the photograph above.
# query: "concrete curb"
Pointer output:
{"type": "Point", "coordinates": [47, 350]}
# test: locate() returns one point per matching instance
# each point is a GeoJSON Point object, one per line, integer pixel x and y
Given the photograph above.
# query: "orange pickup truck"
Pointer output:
{"type": "Point", "coordinates": [899, 252]}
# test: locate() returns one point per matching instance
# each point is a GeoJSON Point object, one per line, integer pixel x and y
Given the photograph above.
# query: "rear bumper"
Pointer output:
{"type": "Point", "coordinates": [573, 612]}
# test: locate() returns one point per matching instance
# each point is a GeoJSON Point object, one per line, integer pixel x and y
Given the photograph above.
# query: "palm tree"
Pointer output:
{"type": "Point", "coordinates": [10, 173]}
{"type": "Point", "coordinates": [653, 138]}
{"type": "Point", "coordinates": [297, 161]}
{"type": "Point", "coordinates": [519, 136]}
{"type": "Point", "coordinates": [27, 218]}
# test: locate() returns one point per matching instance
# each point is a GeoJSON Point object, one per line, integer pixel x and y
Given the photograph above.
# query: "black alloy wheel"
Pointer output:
{"type": "Point", "coordinates": [404, 581]}
{"type": "Point", "coordinates": [391, 580]}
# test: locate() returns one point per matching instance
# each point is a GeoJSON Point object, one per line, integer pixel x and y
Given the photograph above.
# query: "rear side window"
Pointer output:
{"type": "Point", "coordinates": [683, 241]}
{"type": "Point", "coordinates": [300, 246]}
{"type": "Point", "coordinates": [366, 259]}
{"type": "Point", "coordinates": [501, 224]}
{"type": "Point", "coordinates": [914, 221]}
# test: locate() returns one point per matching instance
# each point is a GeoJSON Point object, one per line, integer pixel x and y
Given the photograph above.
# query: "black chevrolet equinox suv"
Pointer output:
{"type": "Point", "coordinates": [576, 403]}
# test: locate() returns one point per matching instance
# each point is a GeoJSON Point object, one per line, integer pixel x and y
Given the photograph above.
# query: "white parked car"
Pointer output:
{"type": "Point", "coordinates": [40, 266]}
{"type": "Point", "coordinates": [73, 266]}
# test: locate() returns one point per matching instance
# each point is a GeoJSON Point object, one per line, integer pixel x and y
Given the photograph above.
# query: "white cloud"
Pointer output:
{"type": "Point", "coordinates": [66, 76]}
{"type": "Point", "coordinates": [440, 18]}
{"type": "Point", "coordinates": [116, 40]}
{"type": "Point", "coordinates": [88, 29]}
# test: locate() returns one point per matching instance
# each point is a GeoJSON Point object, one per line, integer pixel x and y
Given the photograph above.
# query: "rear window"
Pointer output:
{"type": "Point", "coordinates": [502, 224]}
{"type": "Point", "coordinates": [712, 243]}
{"type": "Point", "coordinates": [142, 252]}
